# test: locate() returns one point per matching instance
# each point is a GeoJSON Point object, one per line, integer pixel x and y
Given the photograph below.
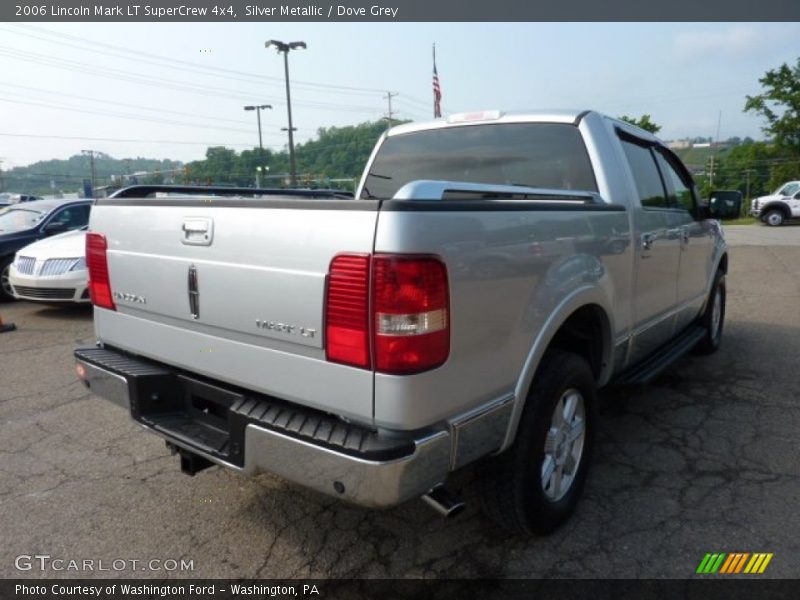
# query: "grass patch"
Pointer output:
{"type": "Point", "coordinates": [740, 221]}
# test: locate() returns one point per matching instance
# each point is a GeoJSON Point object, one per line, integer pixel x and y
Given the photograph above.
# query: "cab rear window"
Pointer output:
{"type": "Point", "coordinates": [543, 155]}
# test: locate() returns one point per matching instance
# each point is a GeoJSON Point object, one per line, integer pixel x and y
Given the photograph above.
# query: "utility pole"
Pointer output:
{"type": "Point", "coordinates": [747, 195]}
{"type": "Point", "coordinates": [90, 154]}
{"type": "Point", "coordinates": [714, 153]}
{"type": "Point", "coordinates": [389, 95]}
{"type": "Point", "coordinates": [711, 174]}
{"type": "Point", "coordinates": [284, 48]}
{"type": "Point", "coordinates": [258, 109]}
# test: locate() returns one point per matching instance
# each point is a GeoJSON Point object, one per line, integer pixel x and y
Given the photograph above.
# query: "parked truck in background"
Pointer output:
{"type": "Point", "coordinates": [777, 208]}
{"type": "Point", "coordinates": [493, 271]}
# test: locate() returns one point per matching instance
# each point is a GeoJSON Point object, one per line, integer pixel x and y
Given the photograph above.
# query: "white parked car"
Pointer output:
{"type": "Point", "coordinates": [52, 270]}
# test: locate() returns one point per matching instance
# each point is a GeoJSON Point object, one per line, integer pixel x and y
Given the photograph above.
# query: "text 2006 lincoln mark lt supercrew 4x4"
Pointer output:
{"type": "Point", "coordinates": [492, 271]}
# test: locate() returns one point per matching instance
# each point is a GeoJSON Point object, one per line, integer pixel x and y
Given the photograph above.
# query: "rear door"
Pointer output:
{"type": "Point", "coordinates": [696, 238]}
{"type": "Point", "coordinates": [657, 253]}
{"type": "Point", "coordinates": [234, 289]}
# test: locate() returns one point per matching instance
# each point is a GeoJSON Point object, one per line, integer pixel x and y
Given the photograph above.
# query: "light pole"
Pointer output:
{"type": "Point", "coordinates": [258, 108]}
{"type": "Point", "coordinates": [285, 48]}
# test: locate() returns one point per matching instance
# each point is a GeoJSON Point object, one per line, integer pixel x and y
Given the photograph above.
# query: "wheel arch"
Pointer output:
{"type": "Point", "coordinates": [581, 323]}
{"type": "Point", "coordinates": [777, 205]}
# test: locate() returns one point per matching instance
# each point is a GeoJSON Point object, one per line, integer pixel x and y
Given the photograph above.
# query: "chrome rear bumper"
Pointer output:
{"type": "Point", "coordinates": [372, 483]}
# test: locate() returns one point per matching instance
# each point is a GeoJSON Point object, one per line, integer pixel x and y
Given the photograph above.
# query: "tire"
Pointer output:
{"type": "Point", "coordinates": [774, 217]}
{"type": "Point", "coordinates": [713, 318]}
{"type": "Point", "coordinates": [516, 492]}
{"type": "Point", "coordinates": [6, 294]}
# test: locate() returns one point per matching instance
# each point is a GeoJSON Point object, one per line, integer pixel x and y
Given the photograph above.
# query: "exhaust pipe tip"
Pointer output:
{"type": "Point", "coordinates": [443, 502]}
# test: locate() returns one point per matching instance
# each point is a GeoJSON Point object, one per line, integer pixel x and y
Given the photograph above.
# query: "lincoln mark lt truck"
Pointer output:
{"type": "Point", "coordinates": [491, 273]}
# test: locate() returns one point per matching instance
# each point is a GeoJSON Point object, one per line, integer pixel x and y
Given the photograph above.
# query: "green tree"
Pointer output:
{"type": "Point", "coordinates": [644, 122]}
{"type": "Point", "coordinates": [779, 105]}
{"type": "Point", "coordinates": [336, 153]}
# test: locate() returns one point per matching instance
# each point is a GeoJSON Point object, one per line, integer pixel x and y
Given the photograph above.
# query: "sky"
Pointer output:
{"type": "Point", "coordinates": [169, 90]}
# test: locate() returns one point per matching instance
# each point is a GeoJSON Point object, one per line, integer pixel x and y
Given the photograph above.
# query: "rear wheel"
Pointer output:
{"type": "Point", "coordinates": [713, 318]}
{"type": "Point", "coordinates": [6, 293]}
{"type": "Point", "coordinates": [774, 218]}
{"type": "Point", "coordinates": [534, 486]}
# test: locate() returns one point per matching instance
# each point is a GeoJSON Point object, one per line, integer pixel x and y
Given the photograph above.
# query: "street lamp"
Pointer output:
{"type": "Point", "coordinates": [285, 48]}
{"type": "Point", "coordinates": [258, 108]}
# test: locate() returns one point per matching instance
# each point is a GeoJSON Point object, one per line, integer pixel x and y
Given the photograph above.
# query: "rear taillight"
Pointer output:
{"type": "Point", "coordinates": [390, 309]}
{"type": "Point", "coordinates": [347, 311]}
{"type": "Point", "coordinates": [411, 328]}
{"type": "Point", "coordinates": [97, 263]}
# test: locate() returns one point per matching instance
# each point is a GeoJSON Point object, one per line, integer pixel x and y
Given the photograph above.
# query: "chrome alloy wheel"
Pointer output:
{"type": "Point", "coordinates": [774, 218]}
{"type": "Point", "coordinates": [563, 445]}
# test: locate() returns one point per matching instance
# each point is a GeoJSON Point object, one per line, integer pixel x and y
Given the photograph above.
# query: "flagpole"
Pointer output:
{"type": "Point", "coordinates": [437, 89]}
{"type": "Point", "coordinates": [434, 71]}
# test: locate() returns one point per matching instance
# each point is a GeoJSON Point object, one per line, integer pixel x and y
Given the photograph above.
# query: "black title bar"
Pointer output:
{"type": "Point", "coordinates": [153, 11]}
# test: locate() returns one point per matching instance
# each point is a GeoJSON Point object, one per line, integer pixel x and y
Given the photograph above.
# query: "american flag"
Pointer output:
{"type": "Point", "coordinates": [437, 89]}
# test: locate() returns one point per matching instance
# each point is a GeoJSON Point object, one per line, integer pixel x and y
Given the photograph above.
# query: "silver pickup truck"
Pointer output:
{"type": "Point", "coordinates": [492, 271]}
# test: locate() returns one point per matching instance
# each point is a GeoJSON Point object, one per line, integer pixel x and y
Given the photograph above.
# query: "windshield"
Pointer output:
{"type": "Point", "coordinates": [788, 190]}
{"type": "Point", "coordinates": [19, 219]}
{"type": "Point", "coordinates": [544, 155]}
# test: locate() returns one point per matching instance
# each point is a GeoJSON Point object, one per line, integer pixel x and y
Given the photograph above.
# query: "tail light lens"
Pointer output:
{"type": "Point", "coordinates": [97, 263]}
{"type": "Point", "coordinates": [412, 331]}
{"type": "Point", "coordinates": [347, 311]}
{"type": "Point", "coordinates": [405, 330]}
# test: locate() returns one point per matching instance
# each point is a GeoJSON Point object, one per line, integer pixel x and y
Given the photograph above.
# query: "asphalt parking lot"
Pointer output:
{"type": "Point", "coordinates": [705, 459]}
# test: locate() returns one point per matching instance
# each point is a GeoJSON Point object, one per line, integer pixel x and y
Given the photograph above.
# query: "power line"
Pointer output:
{"type": "Point", "coordinates": [123, 140]}
{"type": "Point", "coordinates": [158, 82]}
{"type": "Point", "coordinates": [146, 141]}
{"type": "Point", "coordinates": [223, 72]}
{"type": "Point", "coordinates": [127, 105]}
{"type": "Point", "coordinates": [123, 116]}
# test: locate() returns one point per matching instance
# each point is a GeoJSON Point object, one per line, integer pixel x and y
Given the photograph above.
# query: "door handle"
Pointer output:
{"type": "Point", "coordinates": [197, 231]}
{"type": "Point", "coordinates": [647, 241]}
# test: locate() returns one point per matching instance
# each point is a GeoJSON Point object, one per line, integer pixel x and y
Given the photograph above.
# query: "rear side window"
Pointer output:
{"type": "Point", "coordinates": [646, 175]}
{"type": "Point", "coordinates": [544, 155]}
{"type": "Point", "coordinates": [678, 186]}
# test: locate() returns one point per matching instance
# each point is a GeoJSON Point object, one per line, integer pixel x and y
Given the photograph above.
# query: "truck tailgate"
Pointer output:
{"type": "Point", "coordinates": [234, 290]}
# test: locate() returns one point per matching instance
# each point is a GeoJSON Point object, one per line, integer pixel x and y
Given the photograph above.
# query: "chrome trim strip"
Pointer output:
{"type": "Point", "coordinates": [667, 315]}
{"type": "Point", "coordinates": [480, 431]}
{"type": "Point", "coordinates": [363, 482]}
{"type": "Point", "coordinates": [106, 384]}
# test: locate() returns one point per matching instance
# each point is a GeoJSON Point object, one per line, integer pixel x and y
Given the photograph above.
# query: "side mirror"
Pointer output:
{"type": "Point", "coordinates": [711, 210]}
{"type": "Point", "coordinates": [797, 196]}
{"type": "Point", "coordinates": [55, 228]}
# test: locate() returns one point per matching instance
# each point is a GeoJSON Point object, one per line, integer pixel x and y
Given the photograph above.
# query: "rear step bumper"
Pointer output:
{"type": "Point", "coordinates": [253, 433]}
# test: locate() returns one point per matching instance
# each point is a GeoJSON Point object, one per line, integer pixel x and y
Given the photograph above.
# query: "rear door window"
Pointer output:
{"type": "Point", "coordinates": [679, 186]}
{"type": "Point", "coordinates": [543, 155]}
{"type": "Point", "coordinates": [645, 174]}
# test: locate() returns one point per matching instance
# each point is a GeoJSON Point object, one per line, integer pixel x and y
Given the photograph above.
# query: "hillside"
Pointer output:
{"type": "Point", "coordinates": [699, 158]}
{"type": "Point", "coordinates": [337, 153]}
{"type": "Point", "coordinates": [66, 176]}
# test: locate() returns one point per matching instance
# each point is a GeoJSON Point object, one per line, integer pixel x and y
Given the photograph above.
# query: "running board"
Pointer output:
{"type": "Point", "coordinates": [653, 365]}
